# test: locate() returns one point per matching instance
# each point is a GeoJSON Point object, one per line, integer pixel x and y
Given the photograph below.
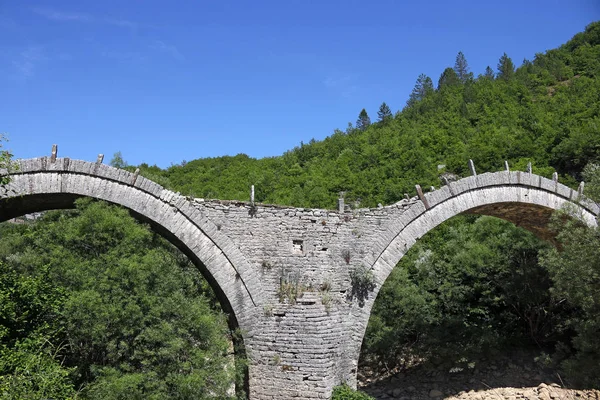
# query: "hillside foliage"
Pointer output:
{"type": "Point", "coordinates": [95, 305]}
{"type": "Point", "coordinates": [544, 112]}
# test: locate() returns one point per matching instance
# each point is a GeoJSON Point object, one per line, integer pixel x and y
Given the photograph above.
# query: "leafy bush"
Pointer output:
{"type": "Point", "coordinates": [133, 317]}
{"type": "Point", "coordinates": [470, 286]}
{"type": "Point", "coordinates": [345, 392]}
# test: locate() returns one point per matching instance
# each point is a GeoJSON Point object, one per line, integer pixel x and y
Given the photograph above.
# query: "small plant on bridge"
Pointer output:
{"type": "Point", "coordinates": [326, 296]}
{"type": "Point", "coordinates": [363, 282]}
{"type": "Point", "coordinates": [6, 163]}
{"type": "Point", "coordinates": [346, 255]}
{"type": "Point", "coordinates": [276, 360]}
{"type": "Point", "coordinates": [266, 266]}
{"type": "Point", "coordinates": [290, 288]}
{"type": "Point", "coordinates": [268, 310]}
{"type": "Point", "coordinates": [327, 300]}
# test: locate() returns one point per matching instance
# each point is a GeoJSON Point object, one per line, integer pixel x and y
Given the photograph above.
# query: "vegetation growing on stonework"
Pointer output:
{"type": "Point", "coordinates": [6, 163]}
{"type": "Point", "coordinates": [363, 282]}
{"type": "Point", "coordinates": [95, 305]}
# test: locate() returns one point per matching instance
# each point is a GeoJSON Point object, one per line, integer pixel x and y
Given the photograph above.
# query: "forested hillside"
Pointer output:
{"type": "Point", "coordinates": [95, 305]}
{"type": "Point", "coordinates": [545, 112]}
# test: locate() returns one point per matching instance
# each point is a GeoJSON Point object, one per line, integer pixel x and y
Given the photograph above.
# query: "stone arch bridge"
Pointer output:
{"type": "Point", "coordinates": [300, 283]}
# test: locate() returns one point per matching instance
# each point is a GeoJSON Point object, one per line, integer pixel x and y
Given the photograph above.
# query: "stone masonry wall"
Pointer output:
{"type": "Point", "coordinates": [298, 344]}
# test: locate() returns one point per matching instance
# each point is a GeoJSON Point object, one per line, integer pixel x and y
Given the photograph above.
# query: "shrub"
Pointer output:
{"type": "Point", "coordinates": [345, 392]}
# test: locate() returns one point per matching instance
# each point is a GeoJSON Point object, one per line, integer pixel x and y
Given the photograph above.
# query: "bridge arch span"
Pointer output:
{"type": "Point", "coordinates": [523, 198]}
{"type": "Point", "coordinates": [46, 183]}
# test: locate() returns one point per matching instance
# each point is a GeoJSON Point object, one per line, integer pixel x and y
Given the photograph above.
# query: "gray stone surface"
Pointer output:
{"type": "Point", "coordinates": [285, 273]}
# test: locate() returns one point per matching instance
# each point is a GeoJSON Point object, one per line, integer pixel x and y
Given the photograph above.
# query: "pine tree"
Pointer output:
{"type": "Point", "coordinates": [384, 112]}
{"type": "Point", "coordinates": [462, 68]}
{"type": "Point", "coordinates": [363, 120]}
{"type": "Point", "coordinates": [448, 78]}
{"type": "Point", "coordinates": [489, 73]}
{"type": "Point", "coordinates": [349, 128]}
{"type": "Point", "coordinates": [423, 87]}
{"type": "Point", "coordinates": [506, 68]}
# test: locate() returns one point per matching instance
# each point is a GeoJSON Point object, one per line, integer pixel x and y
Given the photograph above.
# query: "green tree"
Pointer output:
{"type": "Point", "coordinates": [462, 68]}
{"type": "Point", "coordinates": [384, 113]}
{"type": "Point", "coordinates": [489, 73]}
{"type": "Point", "coordinates": [133, 314]}
{"type": "Point", "coordinates": [30, 364]}
{"type": "Point", "coordinates": [470, 286]}
{"type": "Point", "coordinates": [506, 68]}
{"type": "Point", "coordinates": [363, 121]}
{"type": "Point", "coordinates": [575, 270]}
{"type": "Point", "coordinates": [29, 370]}
{"type": "Point", "coordinates": [423, 87]}
{"type": "Point", "coordinates": [448, 78]}
{"type": "Point", "coordinates": [117, 161]}
{"type": "Point", "coordinates": [552, 125]}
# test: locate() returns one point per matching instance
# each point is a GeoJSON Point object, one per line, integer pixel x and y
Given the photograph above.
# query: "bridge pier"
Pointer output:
{"type": "Point", "coordinates": [298, 354]}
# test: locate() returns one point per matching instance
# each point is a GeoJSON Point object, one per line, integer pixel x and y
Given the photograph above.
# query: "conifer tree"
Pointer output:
{"type": "Point", "coordinates": [363, 120]}
{"type": "Point", "coordinates": [489, 73]}
{"type": "Point", "coordinates": [506, 68]}
{"type": "Point", "coordinates": [462, 68]}
{"type": "Point", "coordinates": [423, 87]}
{"type": "Point", "coordinates": [384, 112]}
{"type": "Point", "coordinates": [448, 78]}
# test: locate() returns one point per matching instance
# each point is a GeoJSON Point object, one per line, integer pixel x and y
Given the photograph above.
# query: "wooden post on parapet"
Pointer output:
{"type": "Point", "coordinates": [135, 176]}
{"type": "Point", "coordinates": [555, 179]}
{"type": "Point", "coordinates": [472, 168]}
{"type": "Point", "coordinates": [422, 196]}
{"type": "Point", "coordinates": [98, 162]}
{"type": "Point", "coordinates": [341, 206]}
{"type": "Point", "coordinates": [580, 190]}
{"type": "Point", "coordinates": [54, 153]}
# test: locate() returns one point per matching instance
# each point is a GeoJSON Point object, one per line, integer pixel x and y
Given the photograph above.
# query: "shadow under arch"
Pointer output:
{"type": "Point", "coordinates": [525, 199]}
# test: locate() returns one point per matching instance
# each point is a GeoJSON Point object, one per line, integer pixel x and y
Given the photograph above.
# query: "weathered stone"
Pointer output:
{"type": "Point", "coordinates": [284, 273]}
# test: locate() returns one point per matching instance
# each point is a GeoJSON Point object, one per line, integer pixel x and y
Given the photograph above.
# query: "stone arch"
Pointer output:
{"type": "Point", "coordinates": [525, 199]}
{"type": "Point", "coordinates": [45, 183]}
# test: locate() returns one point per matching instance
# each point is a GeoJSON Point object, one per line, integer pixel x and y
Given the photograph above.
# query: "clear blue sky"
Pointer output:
{"type": "Point", "coordinates": [165, 81]}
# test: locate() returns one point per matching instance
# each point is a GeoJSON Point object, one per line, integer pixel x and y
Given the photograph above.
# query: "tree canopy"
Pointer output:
{"type": "Point", "coordinates": [94, 305]}
{"type": "Point", "coordinates": [546, 114]}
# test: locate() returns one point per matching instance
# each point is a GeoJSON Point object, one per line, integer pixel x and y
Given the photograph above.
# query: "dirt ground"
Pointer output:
{"type": "Point", "coordinates": [511, 376]}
